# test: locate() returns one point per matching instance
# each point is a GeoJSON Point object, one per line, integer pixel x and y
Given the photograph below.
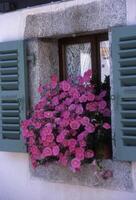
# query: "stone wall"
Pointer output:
{"type": "Point", "coordinates": [46, 63]}
{"type": "Point", "coordinates": [79, 17]}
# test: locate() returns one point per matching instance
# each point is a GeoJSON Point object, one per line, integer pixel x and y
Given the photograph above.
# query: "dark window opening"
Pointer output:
{"type": "Point", "coordinates": [77, 55]}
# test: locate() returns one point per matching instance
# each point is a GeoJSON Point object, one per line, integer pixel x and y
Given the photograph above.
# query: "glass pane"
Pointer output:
{"type": "Point", "coordinates": [104, 56]}
{"type": "Point", "coordinates": [78, 59]}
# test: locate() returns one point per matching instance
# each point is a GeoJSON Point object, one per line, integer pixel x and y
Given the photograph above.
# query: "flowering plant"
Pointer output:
{"type": "Point", "coordinates": [64, 122]}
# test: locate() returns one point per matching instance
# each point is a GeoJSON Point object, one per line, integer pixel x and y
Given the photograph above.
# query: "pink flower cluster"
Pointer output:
{"type": "Point", "coordinates": [64, 120]}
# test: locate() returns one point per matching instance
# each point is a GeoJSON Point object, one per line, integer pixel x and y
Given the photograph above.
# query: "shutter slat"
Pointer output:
{"type": "Point", "coordinates": [11, 125]}
{"type": "Point", "coordinates": [124, 84]}
{"type": "Point", "coordinates": [127, 77]}
{"type": "Point", "coordinates": [9, 111]}
{"type": "Point", "coordinates": [13, 88]}
{"type": "Point", "coordinates": [129, 120]}
{"type": "Point", "coordinates": [9, 63]}
{"type": "Point", "coordinates": [8, 56]}
{"type": "Point", "coordinates": [129, 137]}
{"type": "Point", "coordinates": [127, 53]}
{"type": "Point", "coordinates": [10, 118]}
{"type": "Point", "coordinates": [9, 76]}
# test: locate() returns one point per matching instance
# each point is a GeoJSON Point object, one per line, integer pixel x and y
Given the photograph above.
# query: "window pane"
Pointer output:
{"type": "Point", "coordinates": [78, 59]}
{"type": "Point", "coordinates": [105, 64]}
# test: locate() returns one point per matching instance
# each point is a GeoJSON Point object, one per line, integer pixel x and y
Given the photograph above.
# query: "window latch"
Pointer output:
{"type": "Point", "coordinates": [113, 97]}
{"type": "Point", "coordinates": [31, 58]}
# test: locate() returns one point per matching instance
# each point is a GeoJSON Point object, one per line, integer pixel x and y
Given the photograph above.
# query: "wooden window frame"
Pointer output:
{"type": "Point", "coordinates": [95, 40]}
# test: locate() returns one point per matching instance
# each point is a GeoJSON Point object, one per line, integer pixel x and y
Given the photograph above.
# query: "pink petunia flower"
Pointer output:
{"type": "Point", "coordinates": [65, 143]}
{"type": "Point", "coordinates": [34, 162]}
{"type": "Point", "coordinates": [79, 109]}
{"type": "Point", "coordinates": [27, 133]}
{"type": "Point", "coordinates": [85, 121]}
{"type": "Point", "coordinates": [45, 143]}
{"type": "Point", "coordinates": [102, 105]}
{"type": "Point", "coordinates": [87, 76]}
{"type": "Point", "coordinates": [60, 107]}
{"type": "Point", "coordinates": [68, 101]}
{"type": "Point", "coordinates": [79, 153]}
{"type": "Point", "coordinates": [90, 128]}
{"type": "Point", "coordinates": [72, 107]}
{"type": "Point", "coordinates": [57, 120]}
{"type": "Point", "coordinates": [64, 123]}
{"type": "Point", "coordinates": [49, 138]}
{"type": "Point", "coordinates": [65, 86]}
{"type": "Point", "coordinates": [91, 107]}
{"type": "Point", "coordinates": [35, 152]}
{"type": "Point", "coordinates": [63, 160]}
{"type": "Point", "coordinates": [89, 154]}
{"type": "Point", "coordinates": [37, 125]}
{"type": "Point", "coordinates": [45, 131]}
{"type": "Point", "coordinates": [48, 114]}
{"type": "Point", "coordinates": [83, 98]}
{"type": "Point", "coordinates": [54, 80]}
{"type": "Point", "coordinates": [72, 142]}
{"type": "Point", "coordinates": [26, 123]}
{"type": "Point", "coordinates": [46, 152]}
{"type": "Point", "coordinates": [40, 89]}
{"type": "Point", "coordinates": [82, 143]}
{"type": "Point", "coordinates": [106, 125]}
{"type": "Point", "coordinates": [103, 94]}
{"type": "Point", "coordinates": [62, 95]}
{"type": "Point", "coordinates": [38, 114]}
{"type": "Point", "coordinates": [74, 124]}
{"type": "Point", "coordinates": [90, 97]}
{"type": "Point", "coordinates": [106, 112]}
{"type": "Point", "coordinates": [82, 135]}
{"type": "Point", "coordinates": [60, 138]}
{"type": "Point", "coordinates": [74, 93]}
{"type": "Point", "coordinates": [66, 114]}
{"type": "Point", "coordinates": [64, 132]}
{"type": "Point", "coordinates": [55, 101]}
{"type": "Point", "coordinates": [55, 150]}
{"type": "Point", "coordinates": [31, 141]}
{"type": "Point", "coordinates": [75, 163]}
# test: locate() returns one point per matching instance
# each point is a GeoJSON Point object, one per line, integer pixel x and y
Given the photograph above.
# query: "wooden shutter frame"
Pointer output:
{"type": "Point", "coordinates": [123, 152]}
{"type": "Point", "coordinates": [22, 94]}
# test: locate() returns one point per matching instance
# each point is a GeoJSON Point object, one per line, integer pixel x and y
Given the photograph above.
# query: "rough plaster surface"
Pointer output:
{"type": "Point", "coordinates": [76, 19]}
{"type": "Point", "coordinates": [121, 179]}
{"type": "Point", "coordinates": [46, 64]}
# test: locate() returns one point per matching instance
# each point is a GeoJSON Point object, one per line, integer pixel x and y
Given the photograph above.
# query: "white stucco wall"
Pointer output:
{"type": "Point", "coordinates": [16, 181]}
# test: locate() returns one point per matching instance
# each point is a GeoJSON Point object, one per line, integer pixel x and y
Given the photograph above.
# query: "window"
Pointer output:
{"type": "Point", "coordinates": [78, 54]}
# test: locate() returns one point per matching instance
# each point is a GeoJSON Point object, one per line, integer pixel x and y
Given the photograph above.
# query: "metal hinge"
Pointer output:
{"type": "Point", "coordinates": [114, 140]}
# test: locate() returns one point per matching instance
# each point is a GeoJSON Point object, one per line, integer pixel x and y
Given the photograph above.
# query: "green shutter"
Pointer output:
{"type": "Point", "coordinates": [124, 88]}
{"type": "Point", "coordinates": [13, 95]}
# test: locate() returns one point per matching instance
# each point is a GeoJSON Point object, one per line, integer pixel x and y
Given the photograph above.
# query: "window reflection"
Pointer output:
{"type": "Point", "coordinates": [104, 57]}
{"type": "Point", "coordinates": [78, 59]}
